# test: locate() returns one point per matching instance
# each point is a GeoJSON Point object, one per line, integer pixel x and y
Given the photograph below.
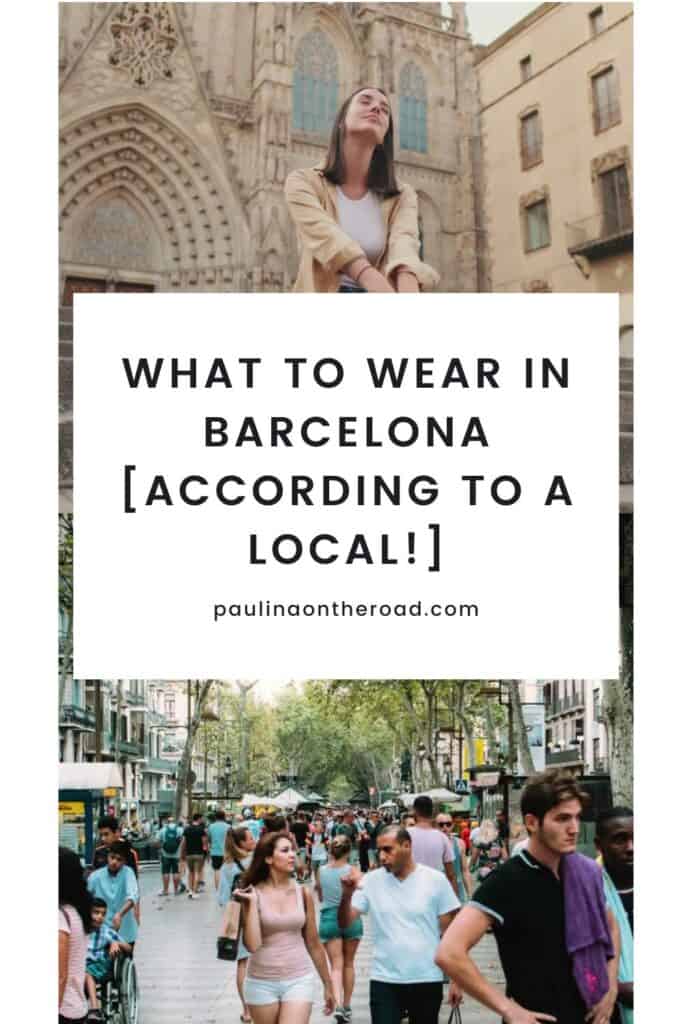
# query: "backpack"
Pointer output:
{"type": "Point", "coordinates": [171, 843]}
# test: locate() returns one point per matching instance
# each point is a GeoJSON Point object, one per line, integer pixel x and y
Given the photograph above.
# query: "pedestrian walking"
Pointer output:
{"type": "Point", "coordinates": [373, 828]}
{"type": "Point", "coordinates": [281, 936]}
{"type": "Point", "coordinates": [341, 944]}
{"type": "Point", "coordinates": [430, 845]}
{"type": "Point", "coordinates": [300, 830]}
{"type": "Point", "coordinates": [73, 924]}
{"type": "Point", "coordinates": [238, 854]}
{"type": "Point", "coordinates": [318, 848]}
{"type": "Point", "coordinates": [488, 850]}
{"type": "Point", "coordinates": [193, 849]}
{"type": "Point", "coordinates": [170, 838]}
{"type": "Point", "coordinates": [358, 227]}
{"type": "Point", "coordinates": [463, 878]}
{"type": "Point", "coordinates": [544, 906]}
{"type": "Point", "coordinates": [118, 887]}
{"type": "Point", "coordinates": [614, 841]}
{"type": "Point", "coordinates": [217, 832]}
{"type": "Point", "coordinates": [347, 827]}
{"type": "Point", "coordinates": [410, 906]}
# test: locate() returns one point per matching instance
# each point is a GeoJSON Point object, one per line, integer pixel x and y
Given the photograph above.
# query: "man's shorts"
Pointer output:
{"type": "Point", "coordinates": [169, 865]}
{"type": "Point", "coordinates": [328, 927]}
{"type": "Point", "coordinates": [195, 861]}
{"type": "Point", "coordinates": [264, 991]}
{"type": "Point", "coordinates": [100, 970]}
{"type": "Point", "coordinates": [216, 862]}
{"type": "Point", "coordinates": [354, 856]}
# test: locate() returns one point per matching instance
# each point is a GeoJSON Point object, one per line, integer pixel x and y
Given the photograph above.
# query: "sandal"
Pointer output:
{"type": "Point", "coordinates": [245, 1020]}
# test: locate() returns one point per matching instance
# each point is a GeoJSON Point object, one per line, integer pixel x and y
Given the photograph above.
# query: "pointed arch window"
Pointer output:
{"type": "Point", "coordinates": [316, 84]}
{"type": "Point", "coordinates": [413, 109]}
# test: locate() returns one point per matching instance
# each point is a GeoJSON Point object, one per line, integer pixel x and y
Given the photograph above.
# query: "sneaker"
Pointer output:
{"type": "Point", "coordinates": [339, 1015]}
{"type": "Point", "coordinates": [347, 1015]}
{"type": "Point", "coordinates": [162, 893]}
{"type": "Point", "coordinates": [183, 887]}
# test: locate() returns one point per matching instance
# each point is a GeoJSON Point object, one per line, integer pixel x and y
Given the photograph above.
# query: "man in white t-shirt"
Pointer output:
{"type": "Point", "coordinates": [410, 906]}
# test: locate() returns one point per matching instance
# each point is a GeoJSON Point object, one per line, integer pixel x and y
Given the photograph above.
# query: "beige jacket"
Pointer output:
{"type": "Point", "coordinates": [312, 202]}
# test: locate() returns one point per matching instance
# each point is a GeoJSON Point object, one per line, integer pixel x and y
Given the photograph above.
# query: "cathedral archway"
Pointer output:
{"type": "Point", "coordinates": [130, 165]}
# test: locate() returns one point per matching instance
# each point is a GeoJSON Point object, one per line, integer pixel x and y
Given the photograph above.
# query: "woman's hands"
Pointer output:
{"type": "Point", "coordinates": [246, 896]}
{"type": "Point", "coordinates": [406, 280]}
{"type": "Point", "coordinates": [372, 279]}
{"type": "Point", "coordinates": [329, 1000]}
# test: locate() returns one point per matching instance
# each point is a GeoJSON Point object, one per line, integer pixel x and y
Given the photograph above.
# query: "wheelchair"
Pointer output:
{"type": "Point", "coordinates": [118, 994]}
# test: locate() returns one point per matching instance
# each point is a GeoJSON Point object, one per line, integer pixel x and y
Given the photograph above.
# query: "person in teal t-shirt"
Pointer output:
{"type": "Point", "coordinates": [218, 829]}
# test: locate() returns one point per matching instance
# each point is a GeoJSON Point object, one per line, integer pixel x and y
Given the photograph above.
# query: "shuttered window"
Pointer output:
{"type": "Point", "coordinates": [616, 201]}
{"type": "Point", "coordinates": [606, 111]}
{"type": "Point", "coordinates": [537, 226]}
{"type": "Point", "coordinates": [531, 141]}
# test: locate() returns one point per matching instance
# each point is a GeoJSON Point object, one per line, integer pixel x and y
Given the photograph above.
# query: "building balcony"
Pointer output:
{"type": "Point", "coordinates": [128, 748]}
{"type": "Point", "coordinates": [573, 756]}
{"type": "Point", "coordinates": [157, 720]}
{"type": "Point", "coordinates": [81, 718]}
{"type": "Point", "coordinates": [159, 766]}
{"type": "Point", "coordinates": [600, 236]}
{"type": "Point", "coordinates": [564, 705]}
{"type": "Point", "coordinates": [136, 701]}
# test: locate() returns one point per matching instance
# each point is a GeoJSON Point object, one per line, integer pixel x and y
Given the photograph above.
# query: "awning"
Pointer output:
{"type": "Point", "coordinates": [89, 775]}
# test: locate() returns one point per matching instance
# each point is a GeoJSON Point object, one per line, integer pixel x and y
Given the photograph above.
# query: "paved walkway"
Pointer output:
{"type": "Point", "coordinates": [182, 982]}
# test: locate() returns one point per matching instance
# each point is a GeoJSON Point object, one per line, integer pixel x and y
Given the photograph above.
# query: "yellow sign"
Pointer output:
{"type": "Point", "coordinates": [71, 808]}
{"type": "Point", "coordinates": [111, 791]}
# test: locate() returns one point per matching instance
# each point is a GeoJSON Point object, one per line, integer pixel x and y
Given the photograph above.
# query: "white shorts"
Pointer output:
{"type": "Point", "coordinates": [264, 991]}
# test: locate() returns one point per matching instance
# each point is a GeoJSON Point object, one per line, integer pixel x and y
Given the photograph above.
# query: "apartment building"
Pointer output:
{"type": "Point", "coordinates": [556, 94]}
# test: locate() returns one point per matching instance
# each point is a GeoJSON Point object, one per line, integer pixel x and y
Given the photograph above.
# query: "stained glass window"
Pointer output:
{"type": "Point", "coordinates": [413, 109]}
{"type": "Point", "coordinates": [316, 84]}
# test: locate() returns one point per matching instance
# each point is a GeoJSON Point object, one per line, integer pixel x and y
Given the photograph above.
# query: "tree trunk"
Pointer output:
{"type": "Point", "coordinates": [526, 761]}
{"type": "Point", "coordinates": [618, 710]}
{"type": "Point", "coordinates": [186, 759]}
{"type": "Point", "coordinates": [65, 663]}
{"type": "Point", "coordinates": [492, 745]}
{"type": "Point", "coordinates": [242, 772]}
{"type": "Point", "coordinates": [465, 724]}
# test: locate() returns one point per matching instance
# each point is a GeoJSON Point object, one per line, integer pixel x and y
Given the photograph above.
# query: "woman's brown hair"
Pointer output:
{"type": "Point", "coordinates": [233, 841]}
{"type": "Point", "coordinates": [381, 175]}
{"type": "Point", "coordinates": [259, 870]}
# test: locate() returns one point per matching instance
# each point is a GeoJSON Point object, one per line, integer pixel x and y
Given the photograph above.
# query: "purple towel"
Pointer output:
{"type": "Point", "coordinates": [589, 942]}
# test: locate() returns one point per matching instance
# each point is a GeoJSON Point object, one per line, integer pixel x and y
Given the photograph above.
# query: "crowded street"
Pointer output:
{"type": "Point", "coordinates": [180, 979]}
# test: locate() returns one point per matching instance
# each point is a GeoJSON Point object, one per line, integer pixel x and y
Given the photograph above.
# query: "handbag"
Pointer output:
{"type": "Point", "coordinates": [227, 946]}
{"type": "Point", "coordinates": [456, 1016]}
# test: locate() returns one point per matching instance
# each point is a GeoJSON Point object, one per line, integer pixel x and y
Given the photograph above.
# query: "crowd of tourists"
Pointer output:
{"type": "Point", "coordinates": [296, 888]}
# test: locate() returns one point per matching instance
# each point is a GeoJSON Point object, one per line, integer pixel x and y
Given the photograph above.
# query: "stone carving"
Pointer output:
{"type": "Point", "coordinates": [144, 41]}
{"type": "Point", "coordinates": [608, 161]}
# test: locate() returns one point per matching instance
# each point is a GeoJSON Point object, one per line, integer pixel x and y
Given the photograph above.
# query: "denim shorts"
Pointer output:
{"type": "Point", "coordinates": [264, 991]}
{"type": "Point", "coordinates": [328, 928]}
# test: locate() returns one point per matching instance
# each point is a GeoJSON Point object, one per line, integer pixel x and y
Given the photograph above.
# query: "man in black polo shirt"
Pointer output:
{"type": "Point", "coordinates": [523, 902]}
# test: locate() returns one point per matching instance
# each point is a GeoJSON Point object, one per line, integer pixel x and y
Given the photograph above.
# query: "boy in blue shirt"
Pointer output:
{"type": "Point", "coordinates": [103, 945]}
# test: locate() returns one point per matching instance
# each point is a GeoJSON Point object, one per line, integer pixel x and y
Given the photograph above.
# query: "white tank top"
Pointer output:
{"type": "Point", "coordinates": [362, 220]}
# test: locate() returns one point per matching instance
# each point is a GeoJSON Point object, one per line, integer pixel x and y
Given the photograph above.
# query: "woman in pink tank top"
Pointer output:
{"type": "Point", "coordinates": [281, 935]}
